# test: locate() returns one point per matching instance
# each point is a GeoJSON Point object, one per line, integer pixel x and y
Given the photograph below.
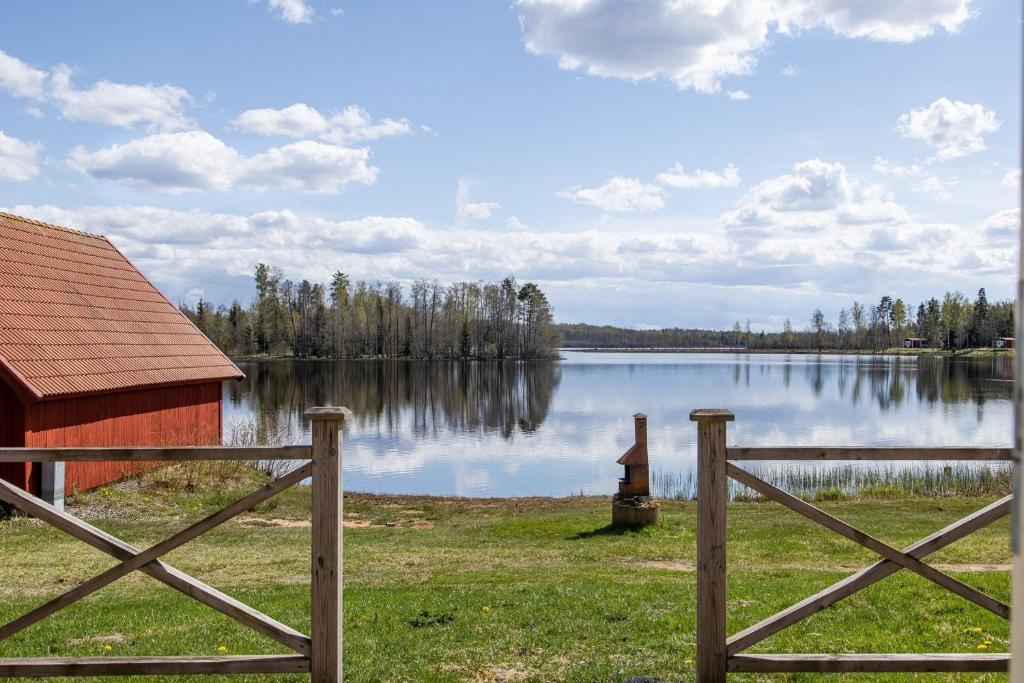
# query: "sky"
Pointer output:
{"type": "Point", "coordinates": [648, 163]}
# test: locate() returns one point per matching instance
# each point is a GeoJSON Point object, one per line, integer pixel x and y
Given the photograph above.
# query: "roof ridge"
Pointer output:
{"type": "Point", "coordinates": [44, 224]}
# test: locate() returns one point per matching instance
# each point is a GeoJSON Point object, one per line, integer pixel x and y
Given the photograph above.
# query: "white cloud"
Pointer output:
{"type": "Point", "coordinates": [308, 166]}
{"type": "Point", "coordinates": [1004, 225]}
{"type": "Point", "coordinates": [697, 43]}
{"type": "Point", "coordinates": [115, 104]}
{"type": "Point", "coordinates": [475, 211]}
{"type": "Point", "coordinates": [619, 194]}
{"type": "Point", "coordinates": [119, 104]}
{"type": "Point", "coordinates": [292, 11]}
{"type": "Point", "coordinates": [20, 79]}
{"type": "Point", "coordinates": [1012, 178]}
{"type": "Point", "coordinates": [886, 167]}
{"type": "Point", "coordinates": [17, 159]}
{"type": "Point", "coordinates": [352, 124]}
{"type": "Point", "coordinates": [790, 71]}
{"type": "Point", "coordinates": [298, 120]}
{"type": "Point", "coordinates": [812, 213]}
{"type": "Point", "coordinates": [737, 95]}
{"type": "Point", "coordinates": [678, 178]}
{"type": "Point", "coordinates": [196, 160]}
{"type": "Point", "coordinates": [893, 21]}
{"type": "Point", "coordinates": [935, 187]}
{"type": "Point", "coordinates": [951, 127]}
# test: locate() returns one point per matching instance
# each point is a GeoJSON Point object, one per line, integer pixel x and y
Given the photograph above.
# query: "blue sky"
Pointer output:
{"type": "Point", "coordinates": [657, 163]}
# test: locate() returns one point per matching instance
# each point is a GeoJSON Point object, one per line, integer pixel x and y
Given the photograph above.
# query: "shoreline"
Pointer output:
{"type": "Point", "coordinates": [894, 351]}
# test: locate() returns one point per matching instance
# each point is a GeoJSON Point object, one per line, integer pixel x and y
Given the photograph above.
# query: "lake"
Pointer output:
{"type": "Point", "coordinates": [555, 428]}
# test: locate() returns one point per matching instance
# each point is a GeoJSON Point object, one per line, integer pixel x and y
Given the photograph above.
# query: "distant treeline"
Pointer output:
{"type": "Point", "coordinates": [470, 320]}
{"type": "Point", "coordinates": [954, 322]}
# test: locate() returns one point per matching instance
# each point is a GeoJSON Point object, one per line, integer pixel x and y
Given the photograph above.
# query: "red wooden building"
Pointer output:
{"type": "Point", "coordinates": [91, 354]}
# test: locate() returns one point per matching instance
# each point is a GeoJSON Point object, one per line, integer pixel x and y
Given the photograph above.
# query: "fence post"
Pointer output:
{"type": "Point", "coordinates": [326, 580]}
{"type": "Point", "coordinates": [711, 499]}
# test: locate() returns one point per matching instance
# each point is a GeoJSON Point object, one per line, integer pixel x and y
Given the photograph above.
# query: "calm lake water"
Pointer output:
{"type": "Point", "coordinates": [557, 427]}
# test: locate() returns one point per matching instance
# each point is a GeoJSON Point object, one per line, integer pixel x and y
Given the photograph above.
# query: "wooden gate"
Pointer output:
{"type": "Point", "coordinates": [718, 654]}
{"type": "Point", "coordinates": [318, 654]}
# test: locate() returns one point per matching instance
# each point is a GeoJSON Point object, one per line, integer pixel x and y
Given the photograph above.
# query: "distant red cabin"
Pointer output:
{"type": "Point", "coordinates": [915, 343]}
{"type": "Point", "coordinates": [1004, 342]}
{"type": "Point", "coordinates": [91, 354]}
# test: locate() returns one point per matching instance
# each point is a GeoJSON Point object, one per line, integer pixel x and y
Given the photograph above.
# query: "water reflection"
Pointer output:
{"type": "Point", "coordinates": [556, 428]}
{"type": "Point", "coordinates": [499, 397]}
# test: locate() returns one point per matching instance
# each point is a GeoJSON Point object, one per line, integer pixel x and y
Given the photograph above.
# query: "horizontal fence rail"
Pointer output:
{"type": "Point", "coordinates": [318, 654]}
{"type": "Point", "coordinates": [155, 454]}
{"type": "Point", "coordinates": [717, 654]}
{"type": "Point", "coordinates": [804, 453]}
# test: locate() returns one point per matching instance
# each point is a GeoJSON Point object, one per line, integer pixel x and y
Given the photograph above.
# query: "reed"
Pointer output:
{"type": "Point", "coordinates": [842, 481]}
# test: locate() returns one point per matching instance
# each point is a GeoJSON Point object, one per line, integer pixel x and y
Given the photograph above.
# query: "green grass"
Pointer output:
{"type": "Point", "coordinates": [441, 589]}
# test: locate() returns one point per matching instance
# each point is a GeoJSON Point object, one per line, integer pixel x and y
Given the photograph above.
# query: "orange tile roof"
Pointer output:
{"type": "Point", "coordinates": [76, 317]}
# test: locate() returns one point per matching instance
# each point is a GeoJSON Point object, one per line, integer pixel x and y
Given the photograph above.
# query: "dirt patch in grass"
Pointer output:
{"type": "Point", "coordinates": [397, 524]}
{"type": "Point", "coordinates": [109, 639]}
{"type": "Point", "coordinates": [279, 523]}
{"type": "Point", "coordinates": [973, 567]}
{"type": "Point", "coordinates": [501, 674]}
{"type": "Point", "coordinates": [672, 565]}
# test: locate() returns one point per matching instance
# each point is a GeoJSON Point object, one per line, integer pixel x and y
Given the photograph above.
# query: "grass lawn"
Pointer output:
{"type": "Point", "coordinates": [440, 589]}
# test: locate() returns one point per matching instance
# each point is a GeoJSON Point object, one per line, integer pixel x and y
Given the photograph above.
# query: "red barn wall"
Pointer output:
{"type": "Point", "coordinates": [184, 415]}
{"type": "Point", "coordinates": [12, 434]}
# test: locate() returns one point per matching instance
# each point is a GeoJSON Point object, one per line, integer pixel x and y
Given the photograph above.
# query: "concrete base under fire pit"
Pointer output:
{"type": "Point", "coordinates": [633, 513]}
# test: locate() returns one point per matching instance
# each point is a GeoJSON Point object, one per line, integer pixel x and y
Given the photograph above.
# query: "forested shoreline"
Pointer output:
{"type": "Point", "coordinates": [476, 320]}
{"type": "Point", "coordinates": [342, 319]}
{"type": "Point", "coordinates": [953, 322]}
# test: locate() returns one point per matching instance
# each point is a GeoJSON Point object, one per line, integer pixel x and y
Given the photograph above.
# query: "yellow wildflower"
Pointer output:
{"type": "Point", "coordinates": [107, 648]}
{"type": "Point", "coordinates": [221, 648]}
{"type": "Point", "coordinates": [982, 646]}
{"type": "Point", "coordinates": [976, 629]}
{"type": "Point", "coordinates": [487, 610]}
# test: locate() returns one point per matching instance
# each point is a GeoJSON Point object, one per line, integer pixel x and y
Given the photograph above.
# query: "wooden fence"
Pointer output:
{"type": "Point", "coordinates": [718, 654]}
{"type": "Point", "coordinates": [318, 654]}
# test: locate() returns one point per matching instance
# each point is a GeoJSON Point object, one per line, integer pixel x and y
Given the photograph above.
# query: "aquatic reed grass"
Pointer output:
{"type": "Point", "coordinates": [846, 480]}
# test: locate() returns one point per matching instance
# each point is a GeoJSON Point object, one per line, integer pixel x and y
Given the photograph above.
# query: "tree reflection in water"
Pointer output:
{"type": "Point", "coordinates": [493, 397]}
{"type": "Point", "coordinates": [890, 382]}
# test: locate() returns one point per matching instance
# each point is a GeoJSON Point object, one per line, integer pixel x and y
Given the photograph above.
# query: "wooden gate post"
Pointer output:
{"type": "Point", "coordinates": [712, 494]}
{"type": "Point", "coordinates": [326, 580]}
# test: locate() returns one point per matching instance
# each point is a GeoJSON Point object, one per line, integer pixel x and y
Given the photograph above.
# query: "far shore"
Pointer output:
{"type": "Point", "coordinates": [894, 351]}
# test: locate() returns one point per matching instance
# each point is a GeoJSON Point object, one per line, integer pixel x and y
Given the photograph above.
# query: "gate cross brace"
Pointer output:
{"type": "Point", "coordinates": [148, 561]}
{"type": "Point", "coordinates": [902, 559]}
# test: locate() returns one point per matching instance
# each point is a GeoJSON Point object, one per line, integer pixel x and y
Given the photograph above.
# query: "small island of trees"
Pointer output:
{"type": "Point", "coordinates": [467, 320]}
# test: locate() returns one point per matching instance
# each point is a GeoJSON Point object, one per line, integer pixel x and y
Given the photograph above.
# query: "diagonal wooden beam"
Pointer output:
{"type": "Point", "coordinates": [179, 580]}
{"type": "Point", "coordinates": [866, 577]}
{"type": "Point", "coordinates": [156, 551]}
{"type": "Point", "coordinates": [868, 541]}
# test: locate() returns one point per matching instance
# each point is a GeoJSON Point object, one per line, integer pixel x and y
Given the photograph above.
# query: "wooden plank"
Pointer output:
{"type": "Point", "coordinates": [866, 577]}
{"type": "Point", "coordinates": [142, 666]}
{"type": "Point", "coordinates": [326, 628]}
{"type": "Point", "coordinates": [146, 556]}
{"type": "Point", "coordinates": [156, 453]}
{"type": "Point", "coordinates": [167, 574]}
{"type": "Point", "coordinates": [910, 663]}
{"type": "Point", "coordinates": [868, 541]}
{"type": "Point", "coordinates": [857, 453]}
{"type": "Point", "coordinates": [712, 496]}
